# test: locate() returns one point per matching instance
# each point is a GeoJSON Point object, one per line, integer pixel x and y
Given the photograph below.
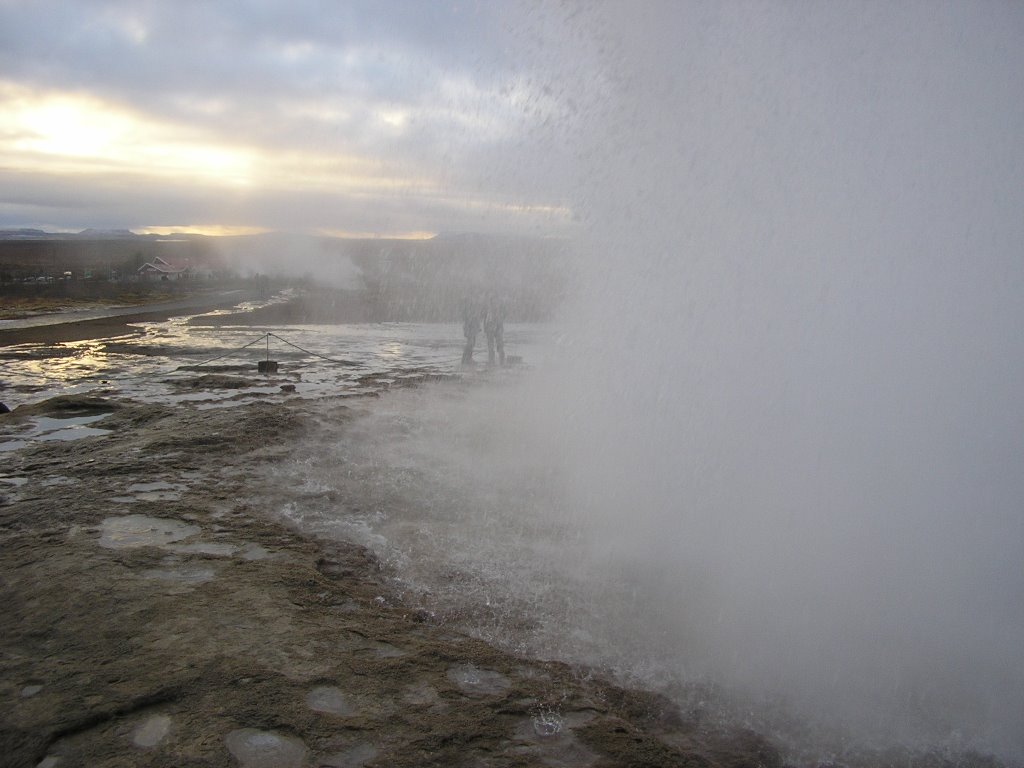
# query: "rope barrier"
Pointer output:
{"type": "Point", "coordinates": [266, 336]}
{"type": "Point", "coordinates": [233, 351]}
{"type": "Point", "coordinates": [314, 354]}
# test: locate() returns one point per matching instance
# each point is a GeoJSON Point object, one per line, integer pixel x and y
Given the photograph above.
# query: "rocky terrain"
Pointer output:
{"type": "Point", "coordinates": [156, 613]}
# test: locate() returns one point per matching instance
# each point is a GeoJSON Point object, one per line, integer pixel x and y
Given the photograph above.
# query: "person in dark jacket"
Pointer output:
{"type": "Point", "coordinates": [471, 316]}
{"type": "Point", "coordinates": [494, 328]}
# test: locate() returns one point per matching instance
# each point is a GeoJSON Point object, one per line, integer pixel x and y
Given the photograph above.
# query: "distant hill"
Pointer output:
{"type": "Point", "coordinates": [106, 254]}
{"type": "Point", "coordinates": [85, 234]}
{"type": "Point", "coordinates": [106, 234]}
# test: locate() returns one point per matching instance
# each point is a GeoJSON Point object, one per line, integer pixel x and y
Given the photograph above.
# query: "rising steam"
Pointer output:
{"type": "Point", "coordinates": [789, 398]}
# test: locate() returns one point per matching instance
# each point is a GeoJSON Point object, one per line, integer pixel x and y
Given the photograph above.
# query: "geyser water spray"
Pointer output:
{"type": "Point", "coordinates": [788, 406]}
{"type": "Point", "coordinates": [778, 445]}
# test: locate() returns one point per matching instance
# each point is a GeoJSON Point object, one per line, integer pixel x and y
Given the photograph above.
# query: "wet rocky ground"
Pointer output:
{"type": "Point", "coordinates": [155, 613]}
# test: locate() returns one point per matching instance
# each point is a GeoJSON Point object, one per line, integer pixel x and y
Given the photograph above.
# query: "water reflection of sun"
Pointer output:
{"type": "Point", "coordinates": [67, 366]}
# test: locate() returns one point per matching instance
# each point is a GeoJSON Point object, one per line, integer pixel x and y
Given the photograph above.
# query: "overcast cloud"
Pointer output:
{"type": "Point", "coordinates": [393, 117]}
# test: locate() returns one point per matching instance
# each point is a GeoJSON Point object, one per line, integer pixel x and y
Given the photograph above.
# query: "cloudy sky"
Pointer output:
{"type": "Point", "coordinates": [420, 116]}
{"type": "Point", "coordinates": [395, 118]}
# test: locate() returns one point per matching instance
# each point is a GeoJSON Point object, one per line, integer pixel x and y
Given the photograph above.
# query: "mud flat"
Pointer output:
{"type": "Point", "coordinates": [158, 613]}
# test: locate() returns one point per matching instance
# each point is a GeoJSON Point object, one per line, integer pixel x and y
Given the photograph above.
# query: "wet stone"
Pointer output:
{"type": "Point", "coordinates": [253, 748]}
{"type": "Point", "coordinates": [474, 681]}
{"type": "Point", "coordinates": [354, 757]}
{"type": "Point", "coordinates": [205, 548]}
{"type": "Point", "coordinates": [387, 651]}
{"type": "Point", "coordinates": [423, 694]}
{"type": "Point", "coordinates": [156, 491]}
{"type": "Point", "coordinates": [158, 485]}
{"type": "Point", "coordinates": [152, 731]}
{"type": "Point", "coordinates": [330, 700]}
{"type": "Point", "coordinates": [184, 574]}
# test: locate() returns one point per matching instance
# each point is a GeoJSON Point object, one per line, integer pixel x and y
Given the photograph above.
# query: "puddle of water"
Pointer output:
{"type": "Point", "coordinates": [73, 433]}
{"type": "Point", "coordinates": [74, 428]}
{"type": "Point", "coordinates": [255, 552]}
{"type": "Point", "coordinates": [152, 731]}
{"type": "Point", "coordinates": [330, 700]}
{"type": "Point", "coordinates": [129, 531]}
{"type": "Point", "coordinates": [265, 749]}
{"type": "Point", "coordinates": [47, 428]}
{"type": "Point", "coordinates": [50, 423]}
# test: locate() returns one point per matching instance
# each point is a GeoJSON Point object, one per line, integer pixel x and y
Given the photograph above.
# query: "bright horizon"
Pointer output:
{"type": "Point", "coordinates": [227, 231]}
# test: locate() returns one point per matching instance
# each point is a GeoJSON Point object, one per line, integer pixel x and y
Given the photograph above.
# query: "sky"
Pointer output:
{"type": "Point", "coordinates": [399, 118]}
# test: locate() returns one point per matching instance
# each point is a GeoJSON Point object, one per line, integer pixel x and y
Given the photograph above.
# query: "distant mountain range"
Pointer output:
{"type": "Point", "coordinates": [464, 238]}
{"type": "Point", "coordinates": [85, 234]}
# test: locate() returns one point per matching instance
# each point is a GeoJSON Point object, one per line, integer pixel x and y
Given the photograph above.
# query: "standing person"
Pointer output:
{"type": "Point", "coordinates": [470, 328]}
{"type": "Point", "coordinates": [494, 328]}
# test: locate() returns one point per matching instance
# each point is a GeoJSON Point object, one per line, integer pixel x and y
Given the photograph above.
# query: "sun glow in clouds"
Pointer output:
{"type": "Point", "coordinates": [68, 126]}
{"type": "Point", "coordinates": [346, 155]}
{"type": "Point", "coordinates": [62, 133]}
{"type": "Point", "coordinates": [69, 132]}
{"type": "Point", "coordinates": [210, 230]}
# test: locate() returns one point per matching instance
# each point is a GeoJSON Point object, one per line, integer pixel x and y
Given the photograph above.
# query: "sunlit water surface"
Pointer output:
{"type": "Point", "coordinates": [155, 363]}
